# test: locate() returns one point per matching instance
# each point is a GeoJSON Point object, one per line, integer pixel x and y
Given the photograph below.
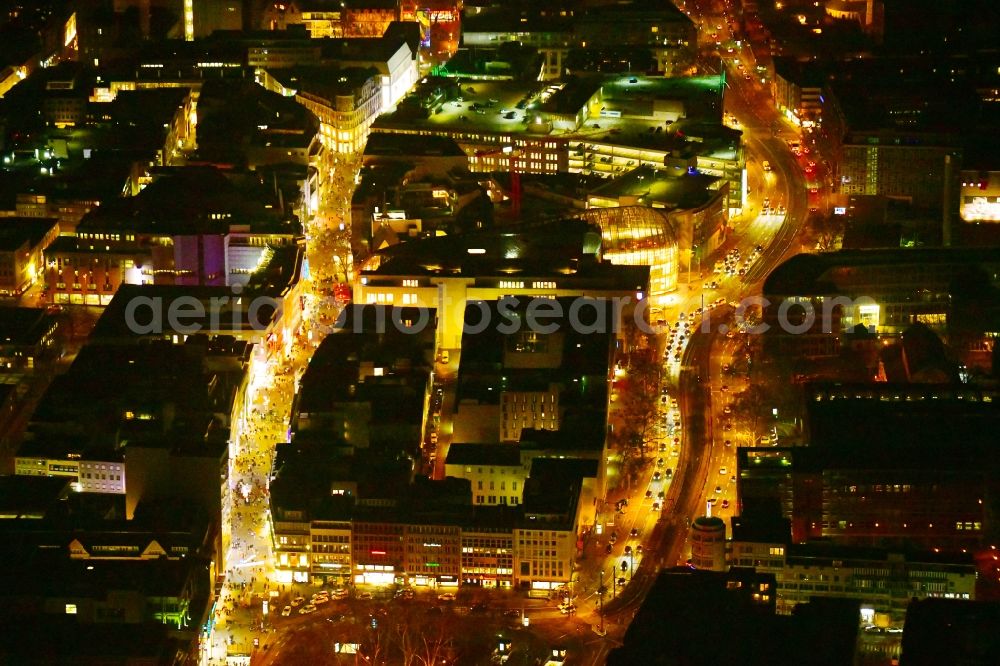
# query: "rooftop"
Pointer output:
{"type": "Point", "coordinates": [500, 455]}
{"type": "Point", "coordinates": [24, 326]}
{"type": "Point", "coordinates": [814, 273]}
{"type": "Point", "coordinates": [195, 200]}
{"type": "Point", "coordinates": [30, 496]}
{"type": "Point", "coordinates": [18, 231]}
{"type": "Point", "coordinates": [565, 249]}
{"type": "Point", "coordinates": [507, 108]}
{"type": "Point", "coordinates": [409, 146]}
{"type": "Point", "coordinates": [660, 188]}
{"type": "Point", "coordinates": [324, 81]}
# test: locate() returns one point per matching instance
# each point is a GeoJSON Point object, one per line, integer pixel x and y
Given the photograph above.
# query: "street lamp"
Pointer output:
{"type": "Point", "coordinates": [600, 600]}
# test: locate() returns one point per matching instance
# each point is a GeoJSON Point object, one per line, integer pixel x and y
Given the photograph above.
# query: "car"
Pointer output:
{"type": "Point", "coordinates": [634, 533]}
{"type": "Point", "coordinates": [298, 601]}
{"type": "Point", "coordinates": [566, 610]}
{"type": "Point", "coordinates": [321, 595]}
{"type": "Point", "coordinates": [319, 601]}
{"type": "Point", "coordinates": [727, 426]}
{"type": "Point", "coordinates": [660, 495]}
{"type": "Point", "coordinates": [722, 471]}
{"type": "Point", "coordinates": [713, 500]}
{"type": "Point", "coordinates": [447, 596]}
{"type": "Point", "coordinates": [339, 593]}
{"type": "Point", "coordinates": [366, 596]}
{"type": "Point", "coordinates": [727, 368]}
{"type": "Point", "coordinates": [718, 490]}
{"type": "Point", "coordinates": [655, 507]}
{"type": "Point", "coordinates": [286, 611]}
{"type": "Point", "coordinates": [725, 504]}
{"type": "Point", "coordinates": [669, 474]}
{"type": "Point", "coordinates": [512, 614]}
{"type": "Point", "coordinates": [638, 549]}
{"type": "Point", "coordinates": [649, 494]}
{"type": "Point", "coordinates": [724, 388]}
{"type": "Point", "coordinates": [307, 609]}
{"type": "Point", "coordinates": [727, 410]}
{"type": "Point", "coordinates": [479, 608]}
{"type": "Point", "coordinates": [656, 476]}
{"type": "Point", "coordinates": [659, 462]}
{"type": "Point", "coordinates": [609, 548]}
{"type": "Point", "coordinates": [729, 442]}
{"type": "Point", "coordinates": [434, 438]}
{"type": "Point", "coordinates": [613, 539]}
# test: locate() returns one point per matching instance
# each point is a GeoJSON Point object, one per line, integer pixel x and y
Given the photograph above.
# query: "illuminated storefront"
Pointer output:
{"type": "Point", "coordinates": [980, 196]}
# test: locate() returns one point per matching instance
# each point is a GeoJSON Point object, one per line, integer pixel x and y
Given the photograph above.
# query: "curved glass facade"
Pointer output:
{"type": "Point", "coordinates": [639, 236]}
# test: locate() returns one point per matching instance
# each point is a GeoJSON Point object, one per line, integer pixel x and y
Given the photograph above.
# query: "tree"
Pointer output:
{"type": "Point", "coordinates": [824, 231]}
{"type": "Point", "coordinates": [750, 408]}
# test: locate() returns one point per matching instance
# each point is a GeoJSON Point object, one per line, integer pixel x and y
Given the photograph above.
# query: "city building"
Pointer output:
{"type": "Point", "coordinates": [946, 630]}
{"type": "Point", "coordinates": [811, 299]}
{"type": "Point", "coordinates": [494, 471]}
{"type": "Point", "coordinates": [28, 342]}
{"type": "Point", "coordinates": [203, 17]}
{"type": "Point", "coordinates": [22, 242]}
{"type": "Point", "coordinates": [708, 543]}
{"type": "Point", "coordinates": [369, 380]}
{"type": "Point", "coordinates": [797, 89]}
{"type": "Point", "coordinates": [883, 581]}
{"type": "Point", "coordinates": [189, 226]}
{"type": "Point", "coordinates": [889, 137]}
{"type": "Point", "coordinates": [446, 273]}
{"type": "Point", "coordinates": [889, 493]}
{"type": "Point", "coordinates": [488, 552]}
{"type": "Point", "coordinates": [668, 35]}
{"type": "Point", "coordinates": [719, 618]}
{"type": "Point", "coordinates": [597, 124]}
{"type": "Point", "coordinates": [979, 196]}
{"type": "Point", "coordinates": [346, 101]}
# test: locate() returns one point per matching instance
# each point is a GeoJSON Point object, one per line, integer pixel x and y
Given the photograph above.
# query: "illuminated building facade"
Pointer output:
{"type": "Point", "coordinates": [886, 291]}
{"type": "Point", "coordinates": [440, 23]}
{"type": "Point", "coordinates": [445, 273]}
{"type": "Point", "coordinates": [27, 342]}
{"type": "Point", "coordinates": [900, 492]}
{"type": "Point", "coordinates": [494, 471]}
{"type": "Point", "coordinates": [708, 543]}
{"type": "Point", "coordinates": [346, 101]}
{"type": "Point", "coordinates": [883, 581]}
{"type": "Point", "coordinates": [488, 556]}
{"type": "Point", "coordinates": [979, 196]}
{"type": "Point", "coordinates": [368, 18]}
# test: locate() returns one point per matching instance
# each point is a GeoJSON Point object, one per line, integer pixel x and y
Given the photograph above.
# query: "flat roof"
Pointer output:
{"type": "Point", "coordinates": [323, 81]}
{"type": "Point", "coordinates": [702, 132]}
{"type": "Point", "coordinates": [382, 144]}
{"type": "Point", "coordinates": [811, 273]}
{"type": "Point", "coordinates": [16, 231]}
{"type": "Point", "coordinates": [809, 553]}
{"type": "Point", "coordinates": [659, 186]}
{"type": "Point", "coordinates": [501, 455]}
{"type": "Point", "coordinates": [24, 326]}
{"type": "Point", "coordinates": [181, 200]}
{"type": "Point", "coordinates": [565, 249]}
{"type": "Point", "coordinates": [572, 95]}
{"type": "Point", "coordinates": [30, 496]}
